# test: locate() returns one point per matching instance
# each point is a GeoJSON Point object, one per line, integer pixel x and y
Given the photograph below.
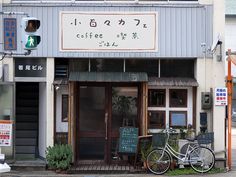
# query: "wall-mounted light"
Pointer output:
{"type": "Point", "coordinates": [214, 45]}
{"type": "Point", "coordinates": [57, 87]}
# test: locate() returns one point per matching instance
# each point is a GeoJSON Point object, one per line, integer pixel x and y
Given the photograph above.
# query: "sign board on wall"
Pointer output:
{"type": "Point", "coordinates": [108, 31]}
{"type": "Point", "coordinates": [10, 34]}
{"type": "Point", "coordinates": [5, 133]}
{"type": "Point", "coordinates": [221, 96]}
{"type": "Point", "coordinates": [30, 67]}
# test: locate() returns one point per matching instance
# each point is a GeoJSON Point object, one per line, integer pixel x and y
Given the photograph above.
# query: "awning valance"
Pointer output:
{"type": "Point", "coordinates": [178, 82]}
{"type": "Point", "coordinates": [108, 76]}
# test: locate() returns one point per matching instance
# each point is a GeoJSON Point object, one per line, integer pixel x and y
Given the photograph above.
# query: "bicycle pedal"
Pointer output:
{"type": "Point", "coordinates": [181, 166]}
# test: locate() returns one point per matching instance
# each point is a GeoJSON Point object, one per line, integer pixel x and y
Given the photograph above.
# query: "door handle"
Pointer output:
{"type": "Point", "coordinates": [106, 124]}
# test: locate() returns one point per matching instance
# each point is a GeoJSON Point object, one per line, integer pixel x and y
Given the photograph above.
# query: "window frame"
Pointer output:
{"type": "Point", "coordinates": [63, 108]}
{"type": "Point", "coordinates": [152, 105]}
{"type": "Point", "coordinates": [156, 126]}
{"type": "Point", "coordinates": [185, 98]}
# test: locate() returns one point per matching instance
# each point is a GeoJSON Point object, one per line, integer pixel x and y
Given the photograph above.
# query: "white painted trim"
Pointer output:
{"type": "Point", "coordinates": [167, 108]}
{"type": "Point", "coordinates": [30, 79]}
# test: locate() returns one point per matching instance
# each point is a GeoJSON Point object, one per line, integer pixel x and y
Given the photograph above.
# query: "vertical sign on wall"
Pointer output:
{"type": "Point", "coordinates": [10, 34]}
{"type": "Point", "coordinates": [221, 96]}
{"type": "Point", "coordinates": [5, 133]}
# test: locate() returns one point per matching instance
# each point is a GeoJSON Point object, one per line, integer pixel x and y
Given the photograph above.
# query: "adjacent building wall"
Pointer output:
{"type": "Point", "coordinates": [218, 75]}
{"type": "Point", "coordinates": [50, 103]}
{"type": "Point", "coordinates": [212, 78]}
{"type": "Point", "coordinates": [42, 119]}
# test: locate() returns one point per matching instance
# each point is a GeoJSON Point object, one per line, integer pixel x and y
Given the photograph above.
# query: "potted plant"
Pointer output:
{"type": "Point", "coordinates": [59, 157]}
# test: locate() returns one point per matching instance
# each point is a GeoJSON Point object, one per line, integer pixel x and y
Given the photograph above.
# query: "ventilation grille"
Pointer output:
{"type": "Point", "coordinates": [61, 71]}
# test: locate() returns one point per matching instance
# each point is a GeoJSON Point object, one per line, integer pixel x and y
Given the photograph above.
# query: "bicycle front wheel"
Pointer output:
{"type": "Point", "coordinates": [158, 161]}
{"type": "Point", "coordinates": [202, 159]}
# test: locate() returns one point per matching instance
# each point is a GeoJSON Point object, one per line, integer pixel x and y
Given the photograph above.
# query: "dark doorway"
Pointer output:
{"type": "Point", "coordinates": [27, 110]}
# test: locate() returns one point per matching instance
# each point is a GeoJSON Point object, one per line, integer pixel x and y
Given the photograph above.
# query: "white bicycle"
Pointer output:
{"type": "Point", "coordinates": [201, 159]}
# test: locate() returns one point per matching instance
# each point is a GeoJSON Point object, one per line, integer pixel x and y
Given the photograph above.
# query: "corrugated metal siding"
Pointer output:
{"type": "Point", "coordinates": [181, 29]}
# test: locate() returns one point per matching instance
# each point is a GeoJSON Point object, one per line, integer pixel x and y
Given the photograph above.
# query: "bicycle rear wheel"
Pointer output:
{"type": "Point", "coordinates": [158, 161]}
{"type": "Point", "coordinates": [202, 159]}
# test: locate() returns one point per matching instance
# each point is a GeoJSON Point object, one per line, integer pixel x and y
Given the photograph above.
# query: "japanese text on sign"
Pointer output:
{"type": "Point", "coordinates": [5, 134]}
{"type": "Point", "coordinates": [128, 140]}
{"type": "Point", "coordinates": [108, 31]}
{"type": "Point", "coordinates": [10, 34]}
{"type": "Point", "coordinates": [221, 96]}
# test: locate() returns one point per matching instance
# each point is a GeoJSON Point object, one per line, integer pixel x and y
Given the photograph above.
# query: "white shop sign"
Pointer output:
{"type": "Point", "coordinates": [108, 31]}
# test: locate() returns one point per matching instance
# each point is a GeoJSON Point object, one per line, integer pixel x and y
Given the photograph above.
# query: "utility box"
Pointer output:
{"type": "Point", "coordinates": [206, 100]}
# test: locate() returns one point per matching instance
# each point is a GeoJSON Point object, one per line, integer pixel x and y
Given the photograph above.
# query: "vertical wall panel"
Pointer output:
{"type": "Point", "coordinates": [181, 29]}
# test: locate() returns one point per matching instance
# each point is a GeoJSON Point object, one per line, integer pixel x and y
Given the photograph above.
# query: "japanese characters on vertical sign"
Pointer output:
{"type": "Point", "coordinates": [221, 96]}
{"type": "Point", "coordinates": [108, 31]}
{"type": "Point", "coordinates": [10, 34]}
{"type": "Point", "coordinates": [5, 133]}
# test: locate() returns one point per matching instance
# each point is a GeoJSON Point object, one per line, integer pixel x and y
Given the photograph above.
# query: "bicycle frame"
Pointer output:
{"type": "Point", "coordinates": [182, 157]}
{"type": "Point", "coordinates": [179, 155]}
{"type": "Point", "coordinates": [201, 159]}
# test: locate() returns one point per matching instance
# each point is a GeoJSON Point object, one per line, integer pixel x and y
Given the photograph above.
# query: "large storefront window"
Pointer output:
{"type": "Point", "coordinates": [170, 107]}
{"type": "Point", "coordinates": [7, 113]}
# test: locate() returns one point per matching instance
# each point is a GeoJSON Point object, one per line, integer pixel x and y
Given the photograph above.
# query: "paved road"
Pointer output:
{"type": "Point", "coordinates": [51, 174]}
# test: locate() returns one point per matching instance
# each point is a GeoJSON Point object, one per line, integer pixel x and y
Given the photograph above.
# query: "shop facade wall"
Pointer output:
{"type": "Point", "coordinates": [181, 28]}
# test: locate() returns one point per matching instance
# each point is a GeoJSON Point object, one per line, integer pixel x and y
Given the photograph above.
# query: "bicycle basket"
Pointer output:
{"type": "Point", "coordinates": [159, 139]}
{"type": "Point", "coordinates": [205, 138]}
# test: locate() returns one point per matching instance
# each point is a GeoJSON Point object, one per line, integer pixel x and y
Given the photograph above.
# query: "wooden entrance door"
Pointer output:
{"type": "Point", "coordinates": [92, 122]}
{"type": "Point", "coordinates": [100, 116]}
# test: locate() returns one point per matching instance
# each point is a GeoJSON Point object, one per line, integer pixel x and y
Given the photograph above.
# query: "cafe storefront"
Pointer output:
{"type": "Point", "coordinates": [119, 64]}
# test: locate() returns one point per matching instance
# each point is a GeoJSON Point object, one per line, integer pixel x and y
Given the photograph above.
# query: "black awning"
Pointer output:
{"type": "Point", "coordinates": [108, 76]}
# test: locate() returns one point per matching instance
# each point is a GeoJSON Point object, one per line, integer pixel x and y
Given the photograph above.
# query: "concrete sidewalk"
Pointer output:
{"type": "Point", "coordinates": [53, 174]}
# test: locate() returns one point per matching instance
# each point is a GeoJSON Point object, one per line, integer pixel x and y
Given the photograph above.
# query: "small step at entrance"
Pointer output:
{"type": "Point", "coordinates": [105, 169]}
{"type": "Point", "coordinates": [28, 165]}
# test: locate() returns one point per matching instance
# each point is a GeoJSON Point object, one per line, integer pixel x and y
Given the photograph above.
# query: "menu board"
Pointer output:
{"type": "Point", "coordinates": [128, 140]}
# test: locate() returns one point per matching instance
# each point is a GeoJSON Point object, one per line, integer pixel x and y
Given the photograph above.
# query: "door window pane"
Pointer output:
{"type": "Point", "coordinates": [156, 119]}
{"type": "Point", "coordinates": [92, 109]}
{"type": "Point", "coordinates": [156, 97]}
{"type": "Point", "coordinates": [124, 107]}
{"type": "Point", "coordinates": [178, 97]}
{"type": "Point", "coordinates": [64, 108]}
